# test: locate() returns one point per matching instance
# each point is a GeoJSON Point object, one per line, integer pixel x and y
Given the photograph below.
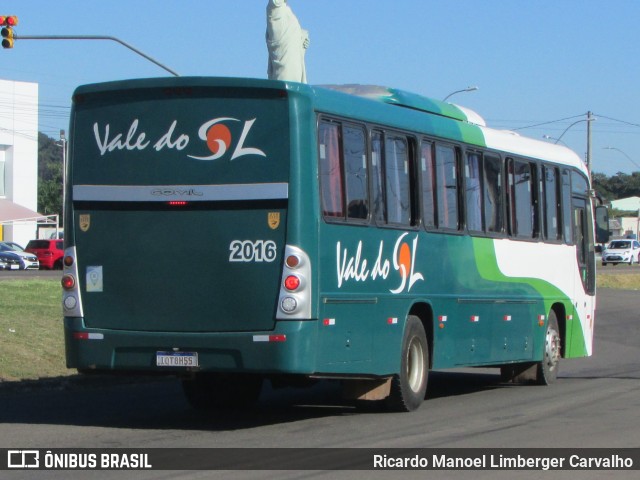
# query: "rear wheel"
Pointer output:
{"type": "Point", "coordinates": [408, 388]}
{"type": "Point", "coordinates": [547, 369]}
{"type": "Point", "coordinates": [208, 391]}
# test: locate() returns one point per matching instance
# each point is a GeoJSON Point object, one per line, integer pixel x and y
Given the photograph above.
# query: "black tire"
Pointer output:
{"type": "Point", "coordinates": [547, 371]}
{"type": "Point", "coordinates": [209, 391]}
{"type": "Point", "coordinates": [408, 388]}
{"type": "Point", "coordinates": [604, 264]}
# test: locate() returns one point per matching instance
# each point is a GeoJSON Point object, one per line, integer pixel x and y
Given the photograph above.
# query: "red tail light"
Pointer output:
{"type": "Point", "coordinates": [68, 282]}
{"type": "Point", "coordinates": [292, 283]}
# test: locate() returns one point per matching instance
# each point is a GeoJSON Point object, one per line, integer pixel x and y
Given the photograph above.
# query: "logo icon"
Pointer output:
{"type": "Point", "coordinates": [85, 222]}
{"type": "Point", "coordinates": [219, 139]}
{"type": "Point", "coordinates": [23, 459]}
{"type": "Point", "coordinates": [273, 220]}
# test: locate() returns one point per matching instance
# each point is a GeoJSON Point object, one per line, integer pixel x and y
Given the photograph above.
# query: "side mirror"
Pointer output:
{"type": "Point", "coordinates": [602, 224]}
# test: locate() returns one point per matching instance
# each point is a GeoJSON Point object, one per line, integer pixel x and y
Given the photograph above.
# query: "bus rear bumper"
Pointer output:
{"type": "Point", "coordinates": [288, 349]}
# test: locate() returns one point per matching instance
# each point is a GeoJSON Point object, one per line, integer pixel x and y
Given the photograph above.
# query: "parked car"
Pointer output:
{"type": "Point", "coordinates": [622, 251]}
{"type": "Point", "coordinates": [49, 252]}
{"type": "Point", "coordinates": [9, 261]}
{"type": "Point", "coordinates": [28, 261]}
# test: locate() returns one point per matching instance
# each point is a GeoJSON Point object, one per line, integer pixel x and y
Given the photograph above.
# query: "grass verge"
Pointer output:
{"type": "Point", "coordinates": [31, 331]}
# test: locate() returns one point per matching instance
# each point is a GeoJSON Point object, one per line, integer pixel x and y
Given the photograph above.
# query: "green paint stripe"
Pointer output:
{"type": "Point", "coordinates": [487, 265]}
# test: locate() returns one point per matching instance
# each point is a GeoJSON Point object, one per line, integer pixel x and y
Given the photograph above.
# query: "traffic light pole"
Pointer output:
{"type": "Point", "coordinates": [96, 37]}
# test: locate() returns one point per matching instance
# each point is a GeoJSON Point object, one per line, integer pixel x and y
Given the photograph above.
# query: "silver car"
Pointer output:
{"type": "Point", "coordinates": [622, 251]}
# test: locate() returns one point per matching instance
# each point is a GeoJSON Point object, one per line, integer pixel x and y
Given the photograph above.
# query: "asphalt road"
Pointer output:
{"type": "Point", "coordinates": [595, 403]}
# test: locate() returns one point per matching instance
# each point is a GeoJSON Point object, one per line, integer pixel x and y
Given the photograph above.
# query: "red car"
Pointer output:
{"type": "Point", "coordinates": [49, 252]}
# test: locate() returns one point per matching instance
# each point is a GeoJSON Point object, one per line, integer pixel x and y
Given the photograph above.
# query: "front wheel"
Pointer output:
{"type": "Point", "coordinates": [408, 388]}
{"type": "Point", "coordinates": [548, 368]}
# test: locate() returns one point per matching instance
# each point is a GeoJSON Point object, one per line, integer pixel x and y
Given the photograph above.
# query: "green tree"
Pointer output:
{"type": "Point", "coordinates": [49, 176]}
{"type": "Point", "coordinates": [620, 185]}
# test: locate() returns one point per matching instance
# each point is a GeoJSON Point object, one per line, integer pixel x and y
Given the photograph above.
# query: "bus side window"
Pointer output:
{"type": "Point", "coordinates": [447, 187]}
{"type": "Point", "coordinates": [379, 202]}
{"type": "Point", "coordinates": [330, 170]}
{"type": "Point", "coordinates": [551, 203]}
{"type": "Point", "coordinates": [522, 204]}
{"type": "Point", "coordinates": [428, 184]}
{"type": "Point", "coordinates": [357, 181]}
{"type": "Point", "coordinates": [566, 207]}
{"type": "Point", "coordinates": [398, 180]}
{"type": "Point", "coordinates": [473, 191]}
{"type": "Point", "coordinates": [493, 198]}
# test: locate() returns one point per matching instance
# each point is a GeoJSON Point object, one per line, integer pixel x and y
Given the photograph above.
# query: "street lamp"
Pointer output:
{"type": "Point", "coordinates": [468, 89]}
{"type": "Point", "coordinates": [622, 152]}
{"type": "Point", "coordinates": [590, 118]}
{"type": "Point", "coordinates": [553, 138]}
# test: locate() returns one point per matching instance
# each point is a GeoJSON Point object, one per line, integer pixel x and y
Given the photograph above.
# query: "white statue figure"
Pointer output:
{"type": "Point", "coordinates": [287, 43]}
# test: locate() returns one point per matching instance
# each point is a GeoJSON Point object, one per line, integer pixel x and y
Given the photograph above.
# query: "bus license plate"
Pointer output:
{"type": "Point", "coordinates": [176, 359]}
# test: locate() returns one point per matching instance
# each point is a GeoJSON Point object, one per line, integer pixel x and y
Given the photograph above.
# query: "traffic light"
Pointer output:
{"type": "Point", "coordinates": [7, 23]}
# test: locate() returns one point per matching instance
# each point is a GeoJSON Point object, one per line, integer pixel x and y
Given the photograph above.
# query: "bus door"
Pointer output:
{"type": "Point", "coordinates": [584, 290]}
{"type": "Point", "coordinates": [583, 233]}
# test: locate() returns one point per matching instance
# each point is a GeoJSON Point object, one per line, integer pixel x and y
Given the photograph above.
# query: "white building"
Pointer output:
{"type": "Point", "coordinates": [630, 204]}
{"type": "Point", "coordinates": [628, 226]}
{"type": "Point", "coordinates": [18, 160]}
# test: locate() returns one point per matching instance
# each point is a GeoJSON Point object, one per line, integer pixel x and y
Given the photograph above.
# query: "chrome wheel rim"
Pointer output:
{"type": "Point", "coordinates": [552, 349]}
{"type": "Point", "coordinates": [415, 365]}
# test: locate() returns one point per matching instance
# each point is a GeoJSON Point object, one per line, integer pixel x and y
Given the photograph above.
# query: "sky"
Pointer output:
{"type": "Point", "coordinates": [539, 65]}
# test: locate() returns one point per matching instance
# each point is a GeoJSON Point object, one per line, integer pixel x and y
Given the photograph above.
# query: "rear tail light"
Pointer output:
{"type": "Point", "coordinates": [71, 298]}
{"type": "Point", "coordinates": [292, 261]}
{"type": "Point", "coordinates": [292, 283]}
{"type": "Point", "coordinates": [295, 290]}
{"type": "Point", "coordinates": [68, 282]}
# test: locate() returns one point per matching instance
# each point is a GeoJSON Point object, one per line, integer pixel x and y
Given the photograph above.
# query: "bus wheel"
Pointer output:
{"type": "Point", "coordinates": [548, 367]}
{"type": "Point", "coordinates": [408, 388]}
{"type": "Point", "coordinates": [209, 391]}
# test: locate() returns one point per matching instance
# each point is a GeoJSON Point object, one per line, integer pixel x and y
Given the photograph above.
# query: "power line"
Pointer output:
{"type": "Point", "coordinates": [549, 122]}
{"type": "Point", "coordinates": [619, 121]}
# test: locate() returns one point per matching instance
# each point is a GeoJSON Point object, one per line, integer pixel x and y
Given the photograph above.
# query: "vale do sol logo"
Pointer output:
{"type": "Point", "coordinates": [352, 266]}
{"type": "Point", "coordinates": [215, 133]}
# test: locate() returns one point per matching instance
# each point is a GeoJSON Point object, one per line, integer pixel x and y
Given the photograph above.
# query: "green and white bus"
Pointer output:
{"type": "Point", "coordinates": [229, 231]}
